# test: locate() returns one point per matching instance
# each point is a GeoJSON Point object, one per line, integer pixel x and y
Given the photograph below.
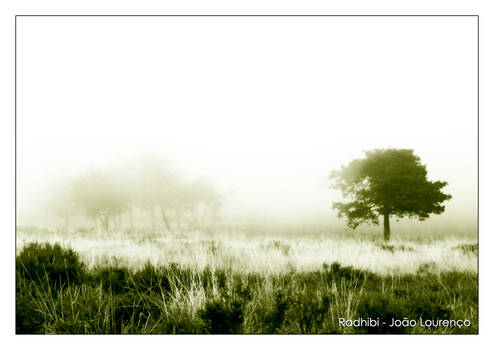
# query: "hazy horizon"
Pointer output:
{"type": "Point", "coordinates": [265, 109]}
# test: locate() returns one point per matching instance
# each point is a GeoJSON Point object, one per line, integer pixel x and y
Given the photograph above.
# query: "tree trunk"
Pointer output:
{"type": "Point", "coordinates": [105, 221]}
{"type": "Point", "coordinates": [153, 220]}
{"type": "Point", "coordinates": [387, 231]}
{"type": "Point", "coordinates": [165, 219]}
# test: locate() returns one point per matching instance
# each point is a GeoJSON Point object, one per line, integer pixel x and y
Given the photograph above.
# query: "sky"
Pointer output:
{"type": "Point", "coordinates": [266, 107]}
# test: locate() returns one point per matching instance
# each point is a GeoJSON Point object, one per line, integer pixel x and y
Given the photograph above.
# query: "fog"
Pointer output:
{"type": "Point", "coordinates": [264, 108]}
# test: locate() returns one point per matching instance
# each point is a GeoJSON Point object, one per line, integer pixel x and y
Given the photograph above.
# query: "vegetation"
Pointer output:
{"type": "Point", "coordinates": [46, 262]}
{"type": "Point", "coordinates": [113, 269]}
{"type": "Point", "coordinates": [388, 182]}
{"type": "Point", "coordinates": [114, 198]}
{"type": "Point", "coordinates": [116, 298]}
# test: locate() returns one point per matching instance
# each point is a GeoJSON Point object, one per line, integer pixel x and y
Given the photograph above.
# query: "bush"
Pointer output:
{"type": "Point", "coordinates": [468, 248]}
{"type": "Point", "coordinates": [276, 317]}
{"type": "Point", "coordinates": [375, 305]}
{"type": "Point", "coordinates": [132, 308]}
{"type": "Point", "coordinates": [114, 279]}
{"type": "Point", "coordinates": [176, 273]}
{"type": "Point", "coordinates": [241, 290]}
{"type": "Point", "coordinates": [429, 308]}
{"type": "Point", "coordinates": [309, 312]}
{"type": "Point", "coordinates": [28, 320]}
{"type": "Point", "coordinates": [180, 321]}
{"type": "Point", "coordinates": [125, 309]}
{"type": "Point", "coordinates": [336, 273]}
{"type": "Point", "coordinates": [427, 268]}
{"type": "Point", "coordinates": [52, 263]}
{"type": "Point", "coordinates": [392, 249]}
{"type": "Point", "coordinates": [222, 317]}
{"type": "Point", "coordinates": [151, 279]}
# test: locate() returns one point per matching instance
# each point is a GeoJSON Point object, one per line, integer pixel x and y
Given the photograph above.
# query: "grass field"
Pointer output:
{"type": "Point", "coordinates": [241, 282]}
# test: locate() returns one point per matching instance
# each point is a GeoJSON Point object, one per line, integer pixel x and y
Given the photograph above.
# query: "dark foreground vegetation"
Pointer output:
{"type": "Point", "coordinates": [56, 293]}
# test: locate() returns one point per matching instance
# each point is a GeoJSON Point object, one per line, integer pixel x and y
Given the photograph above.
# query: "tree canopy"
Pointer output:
{"type": "Point", "coordinates": [139, 186]}
{"type": "Point", "coordinates": [100, 196]}
{"type": "Point", "coordinates": [387, 182]}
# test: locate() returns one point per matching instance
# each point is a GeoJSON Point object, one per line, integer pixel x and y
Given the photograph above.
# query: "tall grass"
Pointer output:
{"type": "Point", "coordinates": [247, 252]}
{"type": "Point", "coordinates": [115, 297]}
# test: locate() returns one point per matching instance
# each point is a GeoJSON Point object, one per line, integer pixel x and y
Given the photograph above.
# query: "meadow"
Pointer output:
{"type": "Point", "coordinates": [225, 280]}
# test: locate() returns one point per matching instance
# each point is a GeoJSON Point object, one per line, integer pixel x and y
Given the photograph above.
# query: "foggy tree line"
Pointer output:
{"type": "Point", "coordinates": [147, 189]}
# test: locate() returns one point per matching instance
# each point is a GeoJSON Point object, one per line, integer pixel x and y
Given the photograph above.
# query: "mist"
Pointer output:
{"type": "Point", "coordinates": [264, 112]}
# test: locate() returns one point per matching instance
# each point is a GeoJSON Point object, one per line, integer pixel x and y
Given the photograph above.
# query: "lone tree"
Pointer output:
{"type": "Point", "coordinates": [387, 182]}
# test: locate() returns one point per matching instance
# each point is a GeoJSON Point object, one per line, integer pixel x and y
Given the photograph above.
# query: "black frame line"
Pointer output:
{"type": "Point", "coordinates": [261, 15]}
{"type": "Point", "coordinates": [241, 15]}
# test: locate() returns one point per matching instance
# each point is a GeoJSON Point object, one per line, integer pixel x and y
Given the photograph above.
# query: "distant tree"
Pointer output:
{"type": "Point", "coordinates": [155, 184]}
{"type": "Point", "coordinates": [387, 182]}
{"type": "Point", "coordinates": [201, 200]}
{"type": "Point", "coordinates": [149, 184]}
{"type": "Point", "coordinates": [100, 196]}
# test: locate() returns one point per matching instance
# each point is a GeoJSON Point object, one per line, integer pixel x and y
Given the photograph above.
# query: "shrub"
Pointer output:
{"type": "Point", "coordinates": [469, 248]}
{"type": "Point", "coordinates": [429, 308]}
{"type": "Point", "coordinates": [180, 321]}
{"type": "Point", "coordinates": [427, 268]}
{"type": "Point", "coordinates": [28, 320]}
{"type": "Point", "coordinates": [336, 273]}
{"type": "Point", "coordinates": [132, 308]}
{"type": "Point", "coordinates": [222, 316]}
{"type": "Point", "coordinates": [52, 263]}
{"type": "Point", "coordinates": [387, 247]}
{"type": "Point", "coordinates": [151, 279]}
{"type": "Point", "coordinates": [124, 310]}
{"type": "Point", "coordinates": [241, 289]}
{"type": "Point", "coordinates": [276, 317]}
{"type": "Point", "coordinates": [392, 249]}
{"type": "Point", "coordinates": [176, 273]}
{"type": "Point", "coordinates": [220, 276]}
{"type": "Point", "coordinates": [310, 312]}
{"type": "Point", "coordinates": [113, 278]}
{"type": "Point", "coordinates": [375, 305]}
{"type": "Point", "coordinates": [427, 298]}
